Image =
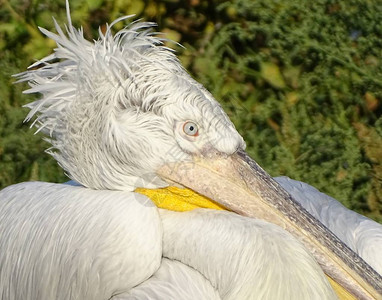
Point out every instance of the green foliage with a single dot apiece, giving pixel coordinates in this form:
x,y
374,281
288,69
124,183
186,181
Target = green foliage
x,y
306,77
301,80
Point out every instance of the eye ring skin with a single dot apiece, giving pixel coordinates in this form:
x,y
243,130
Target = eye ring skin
x,y
191,129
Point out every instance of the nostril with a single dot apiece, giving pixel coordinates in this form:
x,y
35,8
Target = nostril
x,y
239,149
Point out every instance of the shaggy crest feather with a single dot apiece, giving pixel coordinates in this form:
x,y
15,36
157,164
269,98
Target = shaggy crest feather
x,y
111,107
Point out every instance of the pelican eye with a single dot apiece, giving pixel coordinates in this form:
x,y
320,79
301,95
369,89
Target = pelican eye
x,y
190,128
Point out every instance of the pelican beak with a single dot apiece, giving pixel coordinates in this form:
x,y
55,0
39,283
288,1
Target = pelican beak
x,y
238,183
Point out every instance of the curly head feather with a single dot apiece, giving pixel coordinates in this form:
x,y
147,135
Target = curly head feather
x,y
111,107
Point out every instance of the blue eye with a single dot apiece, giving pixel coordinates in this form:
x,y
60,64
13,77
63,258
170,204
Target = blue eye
x,y
190,128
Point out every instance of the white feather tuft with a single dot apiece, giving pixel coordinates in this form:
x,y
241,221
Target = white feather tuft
x,y
110,106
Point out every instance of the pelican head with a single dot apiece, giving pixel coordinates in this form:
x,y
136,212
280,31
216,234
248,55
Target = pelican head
x,y
118,109
122,113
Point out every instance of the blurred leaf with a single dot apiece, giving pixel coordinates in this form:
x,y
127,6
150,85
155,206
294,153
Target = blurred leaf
x,y
8,28
136,7
291,75
271,73
372,145
371,141
292,98
372,102
39,47
171,35
94,4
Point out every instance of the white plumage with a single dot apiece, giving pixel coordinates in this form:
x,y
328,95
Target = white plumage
x,y
63,242
243,258
70,242
115,111
173,280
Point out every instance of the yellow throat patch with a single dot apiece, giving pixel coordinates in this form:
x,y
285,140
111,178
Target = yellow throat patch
x,y
179,199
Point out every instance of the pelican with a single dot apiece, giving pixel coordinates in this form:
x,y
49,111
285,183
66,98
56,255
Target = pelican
x,y
164,203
